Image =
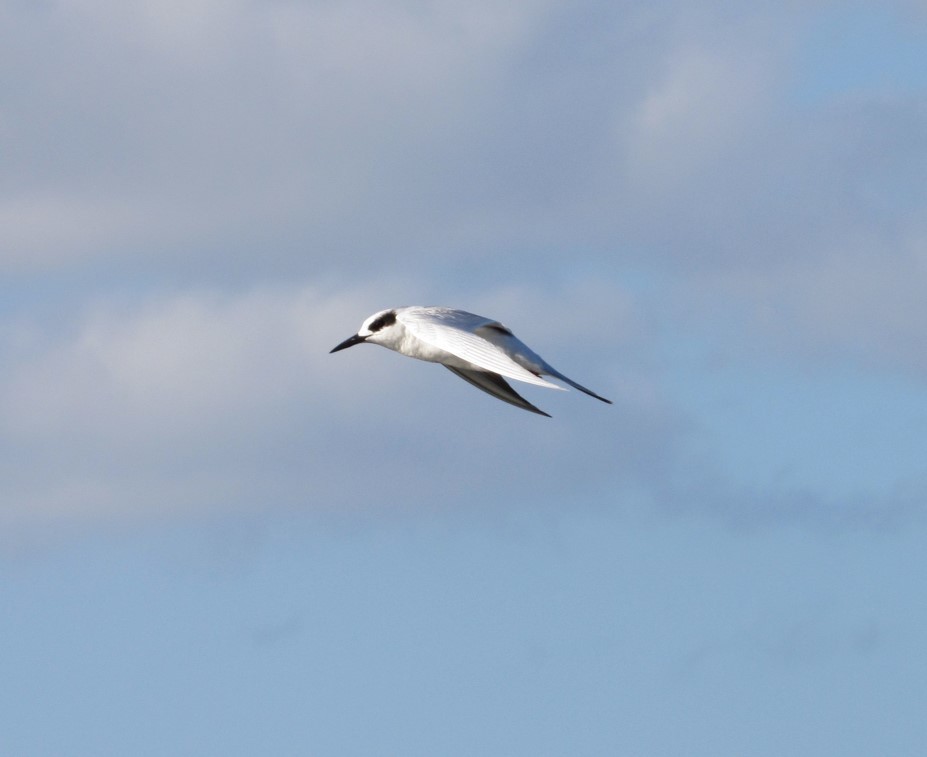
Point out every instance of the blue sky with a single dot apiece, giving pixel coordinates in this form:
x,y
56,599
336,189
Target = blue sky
x,y
216,538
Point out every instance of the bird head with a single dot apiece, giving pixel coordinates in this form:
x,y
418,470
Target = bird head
x,y
372,330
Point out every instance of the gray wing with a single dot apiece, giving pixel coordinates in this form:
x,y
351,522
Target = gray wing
x,y
455,331
494,384
485,343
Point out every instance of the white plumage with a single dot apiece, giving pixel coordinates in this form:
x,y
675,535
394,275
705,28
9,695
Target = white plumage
x,y
479,350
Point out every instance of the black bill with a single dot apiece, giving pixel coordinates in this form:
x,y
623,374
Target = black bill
x,y
349,342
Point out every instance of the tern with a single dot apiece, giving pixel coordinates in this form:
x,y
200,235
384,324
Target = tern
x,y
479,350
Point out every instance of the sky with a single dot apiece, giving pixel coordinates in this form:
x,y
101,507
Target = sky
x,y
218,539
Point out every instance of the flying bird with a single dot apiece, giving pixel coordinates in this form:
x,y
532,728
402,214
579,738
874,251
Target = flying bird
x,y
479,350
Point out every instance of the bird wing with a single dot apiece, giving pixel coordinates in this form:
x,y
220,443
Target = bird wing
x,y
557,374
454,332
494,384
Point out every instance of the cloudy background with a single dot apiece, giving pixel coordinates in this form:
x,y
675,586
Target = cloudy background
x,y
215,538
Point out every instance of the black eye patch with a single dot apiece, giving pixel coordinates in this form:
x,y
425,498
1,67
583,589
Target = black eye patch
x,y
387,319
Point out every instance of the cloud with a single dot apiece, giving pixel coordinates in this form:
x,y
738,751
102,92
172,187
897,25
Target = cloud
x,y
56,231
141,402
352,127
860,304
267,138
613,180
831,273
217,123
706,100
200,400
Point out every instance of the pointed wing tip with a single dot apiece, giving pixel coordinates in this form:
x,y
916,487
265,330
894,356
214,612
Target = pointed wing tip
x,y
584,390
493,384
533,409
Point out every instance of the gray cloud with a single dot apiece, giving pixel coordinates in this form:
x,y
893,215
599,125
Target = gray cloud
x,y
643,174
279,135
361,128
202,400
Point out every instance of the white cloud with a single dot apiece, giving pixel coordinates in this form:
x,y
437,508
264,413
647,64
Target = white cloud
x,y
153,407
183,367
203,400
518,150
340,136
210,120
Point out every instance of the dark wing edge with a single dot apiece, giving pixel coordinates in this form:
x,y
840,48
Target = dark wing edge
x,y
498,387
559,375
